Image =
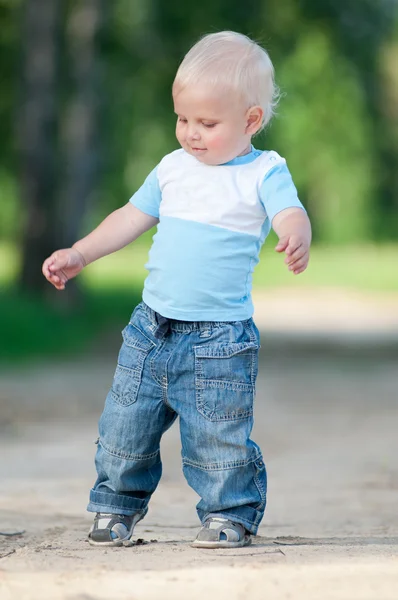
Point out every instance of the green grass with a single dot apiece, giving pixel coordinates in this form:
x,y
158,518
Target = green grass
x,y
361,268
367,267
31,329
112,287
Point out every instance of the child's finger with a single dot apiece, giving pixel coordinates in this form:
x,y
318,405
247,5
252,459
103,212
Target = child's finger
x,y
54,278
300,270
63,277
58,261
293,247
53,273
297,254
46,267
60,278
297,264
58,283
301,258
282,244
49,276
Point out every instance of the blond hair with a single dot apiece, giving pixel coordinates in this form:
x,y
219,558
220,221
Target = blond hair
x,y
235,62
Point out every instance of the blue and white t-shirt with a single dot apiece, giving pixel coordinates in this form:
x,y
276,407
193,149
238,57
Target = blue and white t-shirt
x,y
213,221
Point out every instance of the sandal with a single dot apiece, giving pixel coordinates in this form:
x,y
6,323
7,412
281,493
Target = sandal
x,y
222,533
112,530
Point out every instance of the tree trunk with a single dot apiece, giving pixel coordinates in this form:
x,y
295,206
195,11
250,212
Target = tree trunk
x,y
36,134
59,153
80,127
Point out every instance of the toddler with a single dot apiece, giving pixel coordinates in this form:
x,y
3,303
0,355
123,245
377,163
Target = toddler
x,y
191,347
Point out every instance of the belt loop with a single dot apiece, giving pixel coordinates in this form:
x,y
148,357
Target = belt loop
x,y
163,327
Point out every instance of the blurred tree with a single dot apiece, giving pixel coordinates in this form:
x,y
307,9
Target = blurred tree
x,y
365,34
58,134
37,129
81,140
83,91
9,201
327,58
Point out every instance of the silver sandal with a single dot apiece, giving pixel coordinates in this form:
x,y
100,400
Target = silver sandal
x,y
112,530
221,533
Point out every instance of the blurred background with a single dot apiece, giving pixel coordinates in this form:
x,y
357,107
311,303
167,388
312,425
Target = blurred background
x,y
86,113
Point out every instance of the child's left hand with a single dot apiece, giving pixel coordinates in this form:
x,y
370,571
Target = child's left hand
x,y
297,252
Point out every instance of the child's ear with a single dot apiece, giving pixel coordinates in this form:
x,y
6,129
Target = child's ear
x,y
254,119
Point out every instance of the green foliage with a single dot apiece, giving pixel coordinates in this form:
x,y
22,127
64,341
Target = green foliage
x,y
9,56
323,131
336,63
327,57
362,268
30,328
111,288
337,125
9,205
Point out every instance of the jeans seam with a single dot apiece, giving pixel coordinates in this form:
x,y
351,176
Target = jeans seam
x,y
236,386
261,504
249,331
142,511
126,455
229,417
223,466
165,388
161,383
262,491
145,349
240,416
135,376
248,325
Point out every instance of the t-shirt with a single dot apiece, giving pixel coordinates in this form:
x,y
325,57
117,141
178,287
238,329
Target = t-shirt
x,y
213,221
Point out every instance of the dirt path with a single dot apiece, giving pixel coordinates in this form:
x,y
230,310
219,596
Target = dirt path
x,y
327,424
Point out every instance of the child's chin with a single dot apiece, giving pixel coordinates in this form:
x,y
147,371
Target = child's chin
x,y
207,160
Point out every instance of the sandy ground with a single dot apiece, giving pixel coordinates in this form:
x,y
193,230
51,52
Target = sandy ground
x,y
326,419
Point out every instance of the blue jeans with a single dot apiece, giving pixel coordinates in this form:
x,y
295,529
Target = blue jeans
x,y
205,373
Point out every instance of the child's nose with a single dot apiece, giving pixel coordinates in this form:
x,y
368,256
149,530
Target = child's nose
x,y
193,133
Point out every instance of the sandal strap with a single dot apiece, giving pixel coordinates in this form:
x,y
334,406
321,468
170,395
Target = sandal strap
x,y
117,524
214,526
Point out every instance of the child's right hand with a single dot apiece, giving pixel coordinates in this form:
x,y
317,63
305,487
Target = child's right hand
x,y
63,265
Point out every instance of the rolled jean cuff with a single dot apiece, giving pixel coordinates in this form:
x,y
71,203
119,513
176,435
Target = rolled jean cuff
x,y
116,504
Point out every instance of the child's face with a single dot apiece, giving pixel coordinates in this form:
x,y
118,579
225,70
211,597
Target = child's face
x,y
212,126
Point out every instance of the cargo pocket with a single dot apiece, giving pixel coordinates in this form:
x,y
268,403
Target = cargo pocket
x,y
225,380
127,379
260,480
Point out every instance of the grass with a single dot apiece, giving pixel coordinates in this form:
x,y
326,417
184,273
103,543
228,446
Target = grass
x,y
112,287
363,268
366,268
31,329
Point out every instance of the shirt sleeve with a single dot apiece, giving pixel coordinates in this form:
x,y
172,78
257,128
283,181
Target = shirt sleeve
x,y
147,198
278,191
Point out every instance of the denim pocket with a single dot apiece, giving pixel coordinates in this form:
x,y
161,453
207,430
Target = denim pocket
x,y
127,380
225,380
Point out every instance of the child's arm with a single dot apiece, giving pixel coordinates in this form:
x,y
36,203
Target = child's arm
x,y
116,231
293,228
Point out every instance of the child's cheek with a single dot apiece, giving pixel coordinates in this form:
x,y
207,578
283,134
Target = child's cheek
x,y
217,141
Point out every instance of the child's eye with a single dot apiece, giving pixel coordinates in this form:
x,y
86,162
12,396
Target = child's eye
x,y
182,120
209,125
